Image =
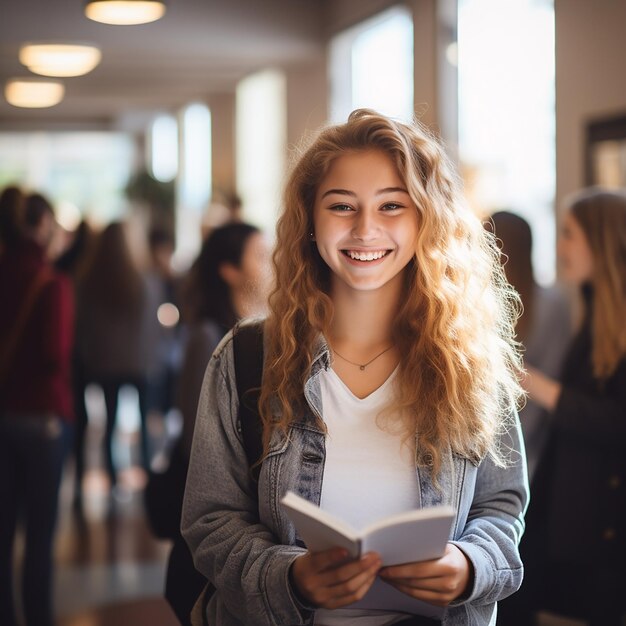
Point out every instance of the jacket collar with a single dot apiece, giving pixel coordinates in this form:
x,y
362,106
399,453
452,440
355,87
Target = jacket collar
x,y
322,358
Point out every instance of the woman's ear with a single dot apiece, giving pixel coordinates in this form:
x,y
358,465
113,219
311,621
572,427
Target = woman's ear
x,y
230,274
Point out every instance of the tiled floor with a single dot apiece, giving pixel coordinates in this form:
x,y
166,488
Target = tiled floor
x,y
108,563
109,567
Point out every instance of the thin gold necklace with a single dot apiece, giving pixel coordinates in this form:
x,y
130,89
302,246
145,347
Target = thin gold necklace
x,y
362,366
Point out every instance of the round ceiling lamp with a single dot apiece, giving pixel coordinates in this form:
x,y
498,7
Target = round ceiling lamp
x,y
124,12
58,59
32,93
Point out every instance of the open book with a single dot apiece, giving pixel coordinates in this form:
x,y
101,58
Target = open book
x,y
417,535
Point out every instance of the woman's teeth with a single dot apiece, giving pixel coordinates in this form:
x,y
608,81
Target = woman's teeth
x,y
366,256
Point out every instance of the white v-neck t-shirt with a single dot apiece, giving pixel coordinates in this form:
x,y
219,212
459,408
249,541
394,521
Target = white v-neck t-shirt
x,y
369,473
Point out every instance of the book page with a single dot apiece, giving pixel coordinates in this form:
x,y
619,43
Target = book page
x,y
416,536
384,597
411,540
320,530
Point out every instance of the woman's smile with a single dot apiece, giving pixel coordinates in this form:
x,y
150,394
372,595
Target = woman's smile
x,y
366,257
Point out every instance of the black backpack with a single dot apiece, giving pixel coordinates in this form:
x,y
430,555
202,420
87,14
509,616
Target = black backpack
x,y
184,584
248,351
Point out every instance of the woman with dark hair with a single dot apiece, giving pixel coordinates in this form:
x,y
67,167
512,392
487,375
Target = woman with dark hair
x,y
543,328
111,330
228,281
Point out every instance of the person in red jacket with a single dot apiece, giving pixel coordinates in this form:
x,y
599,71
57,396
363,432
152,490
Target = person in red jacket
x,y
36,322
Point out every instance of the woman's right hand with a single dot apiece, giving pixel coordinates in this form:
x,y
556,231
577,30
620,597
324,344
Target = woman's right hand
x,y
541,388
324,579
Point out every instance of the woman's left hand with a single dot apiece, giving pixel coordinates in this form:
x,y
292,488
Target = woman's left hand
x,y
439,581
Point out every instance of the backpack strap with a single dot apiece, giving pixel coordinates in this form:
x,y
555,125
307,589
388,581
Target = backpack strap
x,y
248,351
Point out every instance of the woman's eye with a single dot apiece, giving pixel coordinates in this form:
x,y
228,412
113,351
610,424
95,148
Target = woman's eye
x,y
341,207
391,206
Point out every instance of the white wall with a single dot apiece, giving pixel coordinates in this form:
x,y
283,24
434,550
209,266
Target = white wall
x,y
307,102
590,79
223,139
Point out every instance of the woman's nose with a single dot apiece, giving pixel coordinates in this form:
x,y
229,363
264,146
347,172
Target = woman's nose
x,y
365,226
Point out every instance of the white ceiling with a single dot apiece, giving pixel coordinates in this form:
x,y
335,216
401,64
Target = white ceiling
x,y
200,47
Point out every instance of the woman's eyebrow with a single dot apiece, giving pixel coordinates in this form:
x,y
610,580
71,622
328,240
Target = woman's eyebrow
x,y
343,192
380,192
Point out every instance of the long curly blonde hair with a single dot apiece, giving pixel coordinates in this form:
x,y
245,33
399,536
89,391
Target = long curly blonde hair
x,y
602,215
457,378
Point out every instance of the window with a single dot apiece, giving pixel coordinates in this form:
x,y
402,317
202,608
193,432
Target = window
x,y
163,148
194,181
371,65
261,146
195,176
507,114
82,173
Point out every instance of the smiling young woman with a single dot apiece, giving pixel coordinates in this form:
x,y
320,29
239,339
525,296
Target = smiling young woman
x,y
389,384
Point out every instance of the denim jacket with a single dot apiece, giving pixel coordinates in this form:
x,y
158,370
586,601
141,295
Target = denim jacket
x,y
245,547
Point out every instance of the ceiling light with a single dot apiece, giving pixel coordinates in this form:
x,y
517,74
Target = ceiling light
x,y
56,59
124,11
32,93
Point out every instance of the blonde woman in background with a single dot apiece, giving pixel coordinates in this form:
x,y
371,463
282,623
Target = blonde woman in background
x,y
576,543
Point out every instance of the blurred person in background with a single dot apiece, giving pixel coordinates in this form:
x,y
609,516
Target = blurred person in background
x,y
11,213
164,328
73,262
544,327
574,549
111,332
225,207
228,281
36,409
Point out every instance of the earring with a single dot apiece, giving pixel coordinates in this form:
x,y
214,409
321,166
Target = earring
x,y
312,236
